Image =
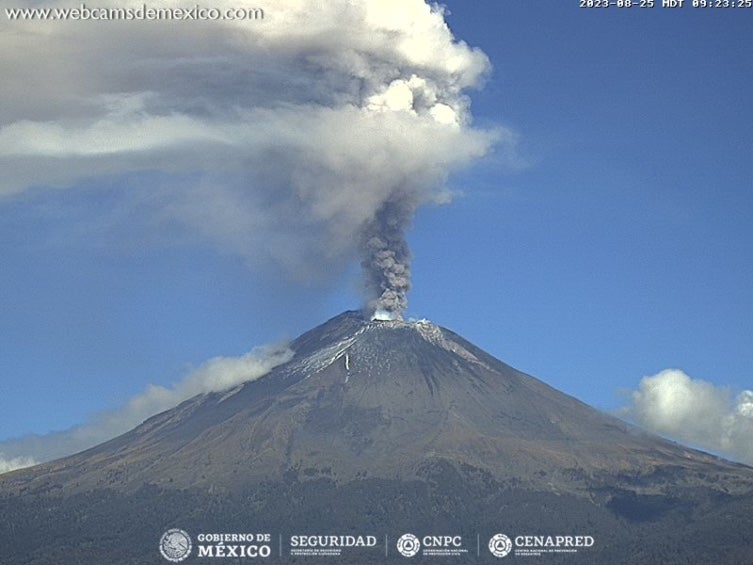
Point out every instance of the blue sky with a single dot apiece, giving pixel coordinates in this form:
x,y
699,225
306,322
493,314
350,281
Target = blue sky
x,y
611,242
625,245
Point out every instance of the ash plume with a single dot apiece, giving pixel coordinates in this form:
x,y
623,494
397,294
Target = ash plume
x,y
301,141
386,261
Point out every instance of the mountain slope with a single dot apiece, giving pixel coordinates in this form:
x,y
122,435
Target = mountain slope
x,y
371,420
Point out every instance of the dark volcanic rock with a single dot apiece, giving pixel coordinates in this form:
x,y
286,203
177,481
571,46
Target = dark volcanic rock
x,y
384,428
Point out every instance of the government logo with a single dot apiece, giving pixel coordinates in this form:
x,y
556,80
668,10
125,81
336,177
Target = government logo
x,y
408,545
175,545
500,545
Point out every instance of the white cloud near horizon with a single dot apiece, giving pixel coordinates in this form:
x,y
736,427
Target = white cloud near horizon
x,y
696,412
217,374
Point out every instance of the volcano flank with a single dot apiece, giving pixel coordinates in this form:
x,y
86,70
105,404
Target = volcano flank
x,y
382,428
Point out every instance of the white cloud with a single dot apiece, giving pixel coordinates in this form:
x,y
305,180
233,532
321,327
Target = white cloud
x,y
697,412
218,374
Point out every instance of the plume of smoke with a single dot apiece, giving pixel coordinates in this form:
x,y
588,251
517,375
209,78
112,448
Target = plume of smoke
x,y
694,411
218,374
302,140
386,260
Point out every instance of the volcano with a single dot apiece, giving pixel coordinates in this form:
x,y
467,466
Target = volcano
x,y
381,428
